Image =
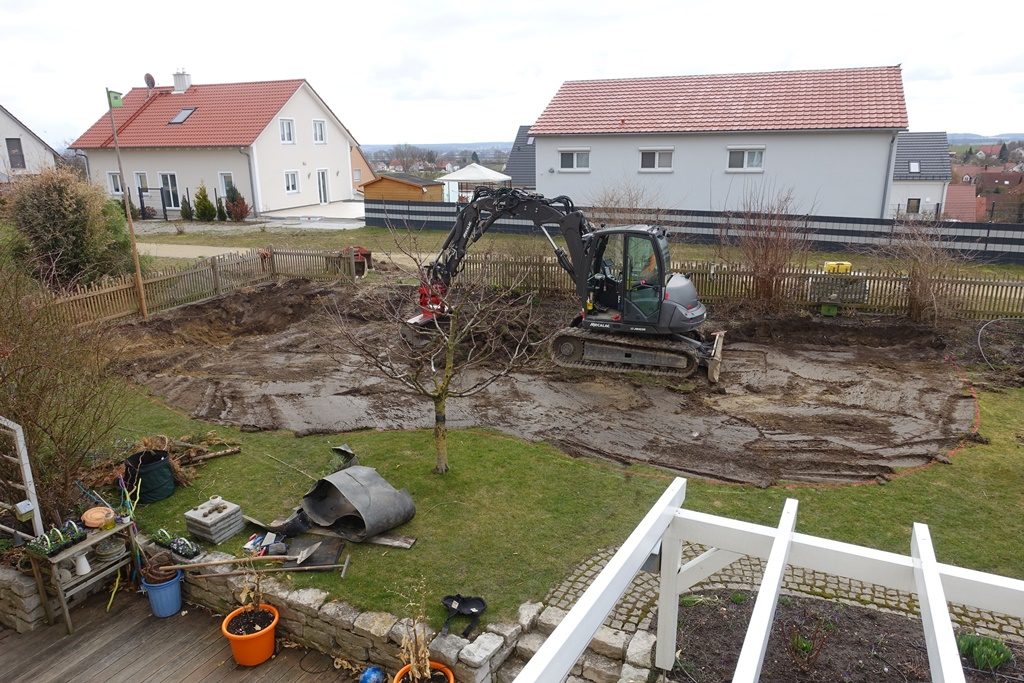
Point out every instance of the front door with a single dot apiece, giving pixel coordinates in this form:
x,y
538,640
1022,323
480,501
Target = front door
x,y
641,281
321,183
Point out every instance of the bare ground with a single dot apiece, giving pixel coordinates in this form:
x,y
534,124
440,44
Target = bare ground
x,y
801,399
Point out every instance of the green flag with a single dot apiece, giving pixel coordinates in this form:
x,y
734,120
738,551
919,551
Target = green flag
x,y
115,99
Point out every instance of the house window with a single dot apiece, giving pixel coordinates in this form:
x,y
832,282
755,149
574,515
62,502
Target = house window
x,y
357,175
319,132
114,180
169,188
574,159
182,115
226,180
142,181
288,131
653,160
914,205
15,153
749,159
291,181
915,166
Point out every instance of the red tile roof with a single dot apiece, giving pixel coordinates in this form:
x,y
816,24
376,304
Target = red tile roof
x,y
226,114
870,97
960,203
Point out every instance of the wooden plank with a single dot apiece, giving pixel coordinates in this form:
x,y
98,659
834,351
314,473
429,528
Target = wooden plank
x,y
748,668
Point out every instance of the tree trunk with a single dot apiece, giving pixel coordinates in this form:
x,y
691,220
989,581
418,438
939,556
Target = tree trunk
x,y
440,436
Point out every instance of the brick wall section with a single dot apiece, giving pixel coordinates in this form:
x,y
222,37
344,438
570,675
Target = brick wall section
x,y
20,606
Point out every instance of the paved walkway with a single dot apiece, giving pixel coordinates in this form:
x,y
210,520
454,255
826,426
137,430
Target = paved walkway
x,y
634,610
128,644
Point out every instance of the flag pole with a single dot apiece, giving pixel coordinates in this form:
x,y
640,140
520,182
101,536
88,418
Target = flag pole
x,y
126,196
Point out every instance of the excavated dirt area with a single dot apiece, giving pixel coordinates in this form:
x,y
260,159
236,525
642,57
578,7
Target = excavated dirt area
x,y
801,399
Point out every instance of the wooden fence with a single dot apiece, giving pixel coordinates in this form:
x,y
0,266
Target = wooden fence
x,y
117,297
969,296
880,292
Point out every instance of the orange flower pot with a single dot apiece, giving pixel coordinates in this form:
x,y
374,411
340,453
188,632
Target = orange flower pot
x,y
255,648
434,666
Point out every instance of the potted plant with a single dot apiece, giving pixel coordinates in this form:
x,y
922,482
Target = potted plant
x,y
56,539
250,629
419,668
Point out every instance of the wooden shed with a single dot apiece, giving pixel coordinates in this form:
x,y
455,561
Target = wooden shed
x,y
403,186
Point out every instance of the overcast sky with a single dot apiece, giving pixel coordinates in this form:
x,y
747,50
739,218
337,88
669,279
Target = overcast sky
x,y
444,71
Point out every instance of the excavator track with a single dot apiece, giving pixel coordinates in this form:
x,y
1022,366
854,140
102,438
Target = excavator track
x,y
573,347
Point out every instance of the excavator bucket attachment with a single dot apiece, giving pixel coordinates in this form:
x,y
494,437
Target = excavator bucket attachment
x,y
715,362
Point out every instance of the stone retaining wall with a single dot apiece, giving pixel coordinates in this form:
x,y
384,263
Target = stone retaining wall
x,y
20,606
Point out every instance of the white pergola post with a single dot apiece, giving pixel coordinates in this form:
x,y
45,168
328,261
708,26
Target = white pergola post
x,y
748,668
675,581
559,653
943,656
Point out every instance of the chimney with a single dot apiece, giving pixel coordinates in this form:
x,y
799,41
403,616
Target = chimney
x,y
182,81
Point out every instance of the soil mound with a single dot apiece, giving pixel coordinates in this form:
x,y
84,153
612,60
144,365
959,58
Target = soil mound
x,y
801,399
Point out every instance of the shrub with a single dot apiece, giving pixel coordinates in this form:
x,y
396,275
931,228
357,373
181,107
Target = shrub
x,y
69,233
186,209
56,381
237,207
222,215
205,210
984,653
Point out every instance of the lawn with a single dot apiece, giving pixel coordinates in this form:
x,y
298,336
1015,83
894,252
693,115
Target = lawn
x,y
382,240
512,518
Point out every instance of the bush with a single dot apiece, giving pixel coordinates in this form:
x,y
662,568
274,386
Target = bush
x,y
56,381
205,210
222,215
237,208
186,209
69,233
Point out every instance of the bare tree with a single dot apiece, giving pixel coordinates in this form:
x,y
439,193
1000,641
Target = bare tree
x,y
769,239
625,203
406,155
480,332
56,381
915,250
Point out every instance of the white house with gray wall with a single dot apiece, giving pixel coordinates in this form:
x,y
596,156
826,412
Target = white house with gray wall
x,y
22,152
712,142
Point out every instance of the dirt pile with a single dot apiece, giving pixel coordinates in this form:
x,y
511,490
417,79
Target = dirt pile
x,y
801,399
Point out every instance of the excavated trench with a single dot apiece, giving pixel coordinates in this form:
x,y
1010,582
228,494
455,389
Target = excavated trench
x,y
801,399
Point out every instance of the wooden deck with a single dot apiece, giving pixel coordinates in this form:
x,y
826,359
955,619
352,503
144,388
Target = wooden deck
x,y
128,644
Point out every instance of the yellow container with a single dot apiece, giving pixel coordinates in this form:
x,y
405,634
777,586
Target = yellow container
x,y
838,267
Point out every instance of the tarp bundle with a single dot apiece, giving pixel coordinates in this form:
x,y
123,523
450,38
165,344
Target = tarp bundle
x,y
358,503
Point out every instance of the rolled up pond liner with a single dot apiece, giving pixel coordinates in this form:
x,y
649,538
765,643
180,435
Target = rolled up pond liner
x,y
357,503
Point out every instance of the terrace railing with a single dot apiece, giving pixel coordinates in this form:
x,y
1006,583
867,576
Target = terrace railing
x,y
668,527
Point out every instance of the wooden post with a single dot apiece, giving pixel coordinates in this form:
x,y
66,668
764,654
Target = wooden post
x,y
273,261
214,269
140,290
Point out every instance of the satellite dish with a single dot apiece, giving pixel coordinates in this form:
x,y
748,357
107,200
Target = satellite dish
x,y
150,81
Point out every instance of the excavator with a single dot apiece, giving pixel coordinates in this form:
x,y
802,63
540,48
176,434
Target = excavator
x,y
635,316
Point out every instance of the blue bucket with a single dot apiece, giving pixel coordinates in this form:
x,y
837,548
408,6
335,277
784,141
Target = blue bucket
x,y
165,598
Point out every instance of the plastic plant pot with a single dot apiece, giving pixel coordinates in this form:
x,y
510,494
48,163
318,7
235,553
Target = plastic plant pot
x,y
400,677
254,648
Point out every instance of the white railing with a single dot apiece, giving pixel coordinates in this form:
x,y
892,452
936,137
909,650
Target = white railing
x,y
728,540
24,471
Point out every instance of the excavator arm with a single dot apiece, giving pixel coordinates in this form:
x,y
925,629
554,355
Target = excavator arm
x,y
489,206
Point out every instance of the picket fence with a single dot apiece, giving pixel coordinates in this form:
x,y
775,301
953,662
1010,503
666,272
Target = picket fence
x,y
877,292
115,298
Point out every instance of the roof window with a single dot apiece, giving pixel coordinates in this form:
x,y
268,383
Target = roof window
x,y
915,166
182,115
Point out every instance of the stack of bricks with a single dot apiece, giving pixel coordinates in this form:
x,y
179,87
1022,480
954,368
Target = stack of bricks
x,y
20,606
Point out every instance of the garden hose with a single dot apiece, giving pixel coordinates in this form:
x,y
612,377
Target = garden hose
x,y
982,329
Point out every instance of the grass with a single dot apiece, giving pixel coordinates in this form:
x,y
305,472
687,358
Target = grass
x,y
381,240
511,518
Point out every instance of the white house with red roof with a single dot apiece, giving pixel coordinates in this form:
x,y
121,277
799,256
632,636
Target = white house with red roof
x,y
709,142
277,142
22,151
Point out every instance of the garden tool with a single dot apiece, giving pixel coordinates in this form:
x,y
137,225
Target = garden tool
x,y
299,559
